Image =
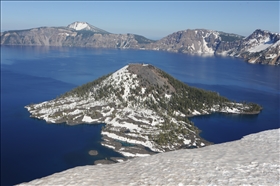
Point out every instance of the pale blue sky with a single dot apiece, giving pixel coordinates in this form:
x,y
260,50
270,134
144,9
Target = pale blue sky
x,y
153,20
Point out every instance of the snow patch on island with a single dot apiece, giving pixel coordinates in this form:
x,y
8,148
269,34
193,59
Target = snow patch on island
x,y
88,119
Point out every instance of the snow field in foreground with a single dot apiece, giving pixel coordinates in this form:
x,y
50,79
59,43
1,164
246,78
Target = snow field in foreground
x,y
253,160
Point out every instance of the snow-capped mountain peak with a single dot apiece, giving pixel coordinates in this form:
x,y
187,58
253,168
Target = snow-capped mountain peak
x,y
79,26
85,26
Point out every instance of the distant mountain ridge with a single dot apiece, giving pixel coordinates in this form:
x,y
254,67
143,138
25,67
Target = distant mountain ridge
x,y
78,34
259,47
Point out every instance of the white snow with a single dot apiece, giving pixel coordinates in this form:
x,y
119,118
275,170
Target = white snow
x,y
230,110
77,111
271,56
109,146
49,120
253,160
276,44
128,154
108,113
143,90
193,46
167,96
204,48
186,142
260,45
121,138
116,74
216,34
195,112
79,25
87,119
127,125
178,113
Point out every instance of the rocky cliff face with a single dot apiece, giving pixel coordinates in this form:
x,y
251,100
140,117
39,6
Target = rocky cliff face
x,y
123,41
260,47
38,36
198,41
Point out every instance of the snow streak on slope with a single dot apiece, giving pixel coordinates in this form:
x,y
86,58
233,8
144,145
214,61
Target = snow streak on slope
x,y
253,160
259,45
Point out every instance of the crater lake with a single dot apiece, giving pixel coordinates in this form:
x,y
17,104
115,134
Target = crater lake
x,y
32,148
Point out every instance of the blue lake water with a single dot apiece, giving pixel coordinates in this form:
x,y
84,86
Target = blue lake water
x,y
32,148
